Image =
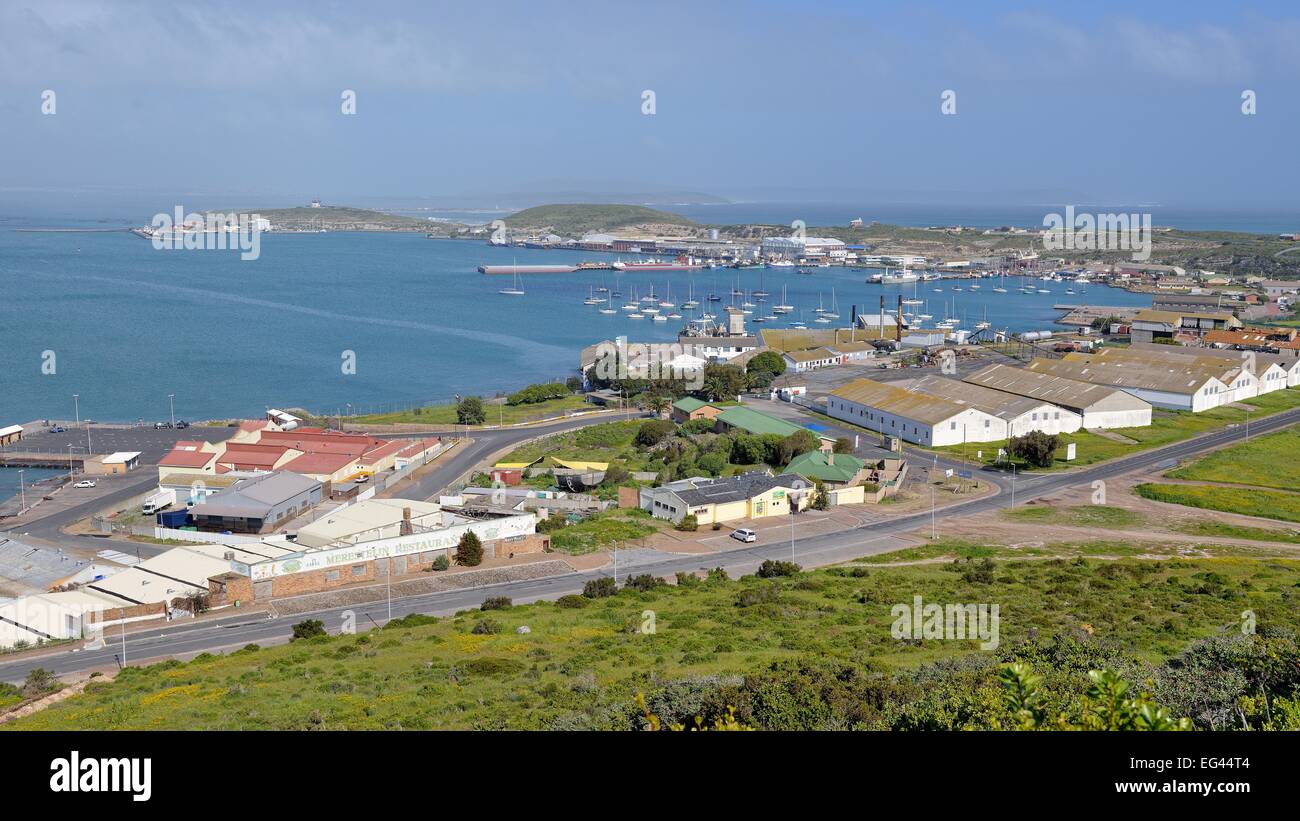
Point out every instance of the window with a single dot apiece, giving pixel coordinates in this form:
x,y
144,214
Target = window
x,y
952,426
331,575
358,570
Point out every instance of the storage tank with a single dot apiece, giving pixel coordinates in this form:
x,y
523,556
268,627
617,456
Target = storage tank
x,y
1035,336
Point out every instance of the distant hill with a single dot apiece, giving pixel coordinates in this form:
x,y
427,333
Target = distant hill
x,y
578,219
342,218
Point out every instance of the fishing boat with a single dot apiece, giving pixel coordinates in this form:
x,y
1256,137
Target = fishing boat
x,y
782,263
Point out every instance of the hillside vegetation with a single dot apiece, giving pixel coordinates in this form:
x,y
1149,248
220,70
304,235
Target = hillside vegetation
x,y
811,650
340,218
577,219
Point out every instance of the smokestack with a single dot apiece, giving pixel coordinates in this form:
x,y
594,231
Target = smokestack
x,y
406,529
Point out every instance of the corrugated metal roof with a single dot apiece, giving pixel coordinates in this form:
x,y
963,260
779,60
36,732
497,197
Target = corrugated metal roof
x,y
922,407
1127,375
1068,393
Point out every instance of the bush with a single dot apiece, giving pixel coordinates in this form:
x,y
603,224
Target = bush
x,y
39,682
644,582
768,362
653,432
689,523
712,463
441,563
697,426
843,445
767,594
469,551
772,568
572,602
687,580
309,629
796,444
470,411
600,588
486,627
540,392
496,603
1036,448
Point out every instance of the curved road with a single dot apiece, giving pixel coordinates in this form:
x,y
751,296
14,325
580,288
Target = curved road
x,y
875,537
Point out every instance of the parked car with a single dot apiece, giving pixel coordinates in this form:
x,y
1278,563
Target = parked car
x,y
58,429
161,425
361,479
85,483
744,534
182,424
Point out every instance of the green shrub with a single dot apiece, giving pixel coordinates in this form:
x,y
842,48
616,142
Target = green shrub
x,y
600,588
689,523
772,568
496,603
653,432
469,551
571,601
486,627
308,629
643,582
441,563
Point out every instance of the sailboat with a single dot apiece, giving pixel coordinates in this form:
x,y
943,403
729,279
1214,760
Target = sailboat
x,y
760,293
515,290
609,306
833,313
667,301
691,302
1002,285
592,299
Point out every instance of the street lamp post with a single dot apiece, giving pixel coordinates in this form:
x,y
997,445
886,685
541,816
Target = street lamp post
x,y
1013,484
22,493
76,411
171,399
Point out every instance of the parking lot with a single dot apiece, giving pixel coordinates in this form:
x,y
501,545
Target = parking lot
x,y
152,444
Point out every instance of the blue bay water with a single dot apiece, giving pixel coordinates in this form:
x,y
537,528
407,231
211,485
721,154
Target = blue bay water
x,y
130,324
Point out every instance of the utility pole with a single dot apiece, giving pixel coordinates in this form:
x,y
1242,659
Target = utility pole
x,y
171,398
1013,484
390,588
22,492
932,531
76,411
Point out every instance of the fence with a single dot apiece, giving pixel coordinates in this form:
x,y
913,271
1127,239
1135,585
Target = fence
x,y
200,536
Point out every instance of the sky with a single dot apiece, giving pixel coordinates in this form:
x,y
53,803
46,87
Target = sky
x,y
241,103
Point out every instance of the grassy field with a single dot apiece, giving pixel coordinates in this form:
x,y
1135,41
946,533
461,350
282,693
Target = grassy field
x,y
1268,504
1166,428
1265,461
584,660
1080,516
497,414
578,218
627,526
1209,527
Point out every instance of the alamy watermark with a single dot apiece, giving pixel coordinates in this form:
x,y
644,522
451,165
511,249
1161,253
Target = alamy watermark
x,y
209,232
954,622
669,362
1098,232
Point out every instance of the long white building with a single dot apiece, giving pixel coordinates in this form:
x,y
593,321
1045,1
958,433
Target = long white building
x,y
1238,380
1274,371
1161,385
1099,406
936,412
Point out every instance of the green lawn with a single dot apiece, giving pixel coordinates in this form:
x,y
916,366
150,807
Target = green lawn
x,y
445,414
581,666
1166,428
1269,504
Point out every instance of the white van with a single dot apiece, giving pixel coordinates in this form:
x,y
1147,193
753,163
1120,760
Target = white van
x,y
744,534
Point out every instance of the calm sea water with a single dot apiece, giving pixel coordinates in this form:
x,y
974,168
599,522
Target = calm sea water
x,y
125,325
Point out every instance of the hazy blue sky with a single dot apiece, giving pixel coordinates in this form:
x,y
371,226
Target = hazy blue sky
x,y
1098,102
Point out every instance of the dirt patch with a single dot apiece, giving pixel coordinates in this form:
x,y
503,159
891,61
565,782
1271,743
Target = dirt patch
x,y
26,708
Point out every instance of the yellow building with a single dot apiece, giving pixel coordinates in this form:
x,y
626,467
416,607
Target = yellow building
x,y
748,496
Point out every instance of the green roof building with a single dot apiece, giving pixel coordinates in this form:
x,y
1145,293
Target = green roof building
x,y
835,468
752,421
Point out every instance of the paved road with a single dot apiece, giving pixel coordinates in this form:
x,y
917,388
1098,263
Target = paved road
x,y
872,537
483,444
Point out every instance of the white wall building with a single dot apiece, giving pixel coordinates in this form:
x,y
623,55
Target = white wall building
x,y
803,248
912,415
1099,406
